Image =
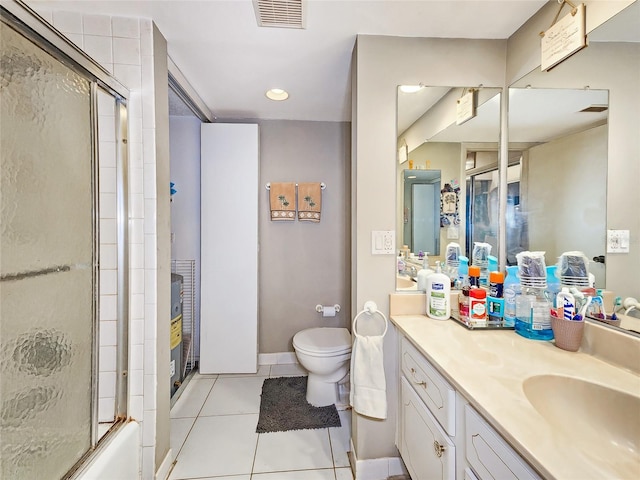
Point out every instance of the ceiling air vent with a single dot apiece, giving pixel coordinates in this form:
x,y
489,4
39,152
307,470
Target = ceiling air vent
x,y
595,109
279,13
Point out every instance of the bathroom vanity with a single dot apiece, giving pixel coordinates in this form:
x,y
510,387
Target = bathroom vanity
x,y
492,404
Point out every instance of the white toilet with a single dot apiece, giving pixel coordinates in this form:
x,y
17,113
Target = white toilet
x,y
325,352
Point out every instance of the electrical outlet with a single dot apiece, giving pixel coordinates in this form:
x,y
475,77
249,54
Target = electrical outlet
x,y
383,242
617,241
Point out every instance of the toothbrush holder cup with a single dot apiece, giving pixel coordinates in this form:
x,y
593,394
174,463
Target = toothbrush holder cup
x,y
567,333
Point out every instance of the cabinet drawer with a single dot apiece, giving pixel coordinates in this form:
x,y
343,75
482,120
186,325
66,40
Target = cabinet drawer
x,y
432,388
489,455
427,451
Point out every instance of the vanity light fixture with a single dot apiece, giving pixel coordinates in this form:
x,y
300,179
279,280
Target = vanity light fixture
x,y
277,94
411,88
411,177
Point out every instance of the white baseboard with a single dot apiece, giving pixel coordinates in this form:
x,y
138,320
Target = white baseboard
x,y
375,468
280,358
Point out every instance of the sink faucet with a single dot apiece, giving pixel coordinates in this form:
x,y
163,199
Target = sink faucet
x,y
412,271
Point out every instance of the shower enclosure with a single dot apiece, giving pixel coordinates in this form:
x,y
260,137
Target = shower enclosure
x,y
63,255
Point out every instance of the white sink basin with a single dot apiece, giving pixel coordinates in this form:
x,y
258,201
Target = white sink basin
x,y
405,283
602,422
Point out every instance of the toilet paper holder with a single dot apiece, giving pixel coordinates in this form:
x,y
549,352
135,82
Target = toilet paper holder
x,y
321,308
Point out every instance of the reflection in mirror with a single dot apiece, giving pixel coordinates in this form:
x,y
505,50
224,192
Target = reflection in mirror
x,y
421,211
433,137
568,202
561,192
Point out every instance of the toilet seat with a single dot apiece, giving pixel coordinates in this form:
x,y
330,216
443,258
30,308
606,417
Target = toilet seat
x,y
323,341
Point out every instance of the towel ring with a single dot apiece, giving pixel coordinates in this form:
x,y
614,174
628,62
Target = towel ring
x,y
370,307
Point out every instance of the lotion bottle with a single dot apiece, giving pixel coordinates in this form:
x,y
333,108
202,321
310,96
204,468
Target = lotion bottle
x,y
423,274
438,295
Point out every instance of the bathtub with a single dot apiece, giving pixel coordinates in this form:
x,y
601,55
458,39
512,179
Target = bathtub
x,y
119,458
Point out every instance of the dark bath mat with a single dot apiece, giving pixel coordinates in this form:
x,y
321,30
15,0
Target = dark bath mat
x,y
283,407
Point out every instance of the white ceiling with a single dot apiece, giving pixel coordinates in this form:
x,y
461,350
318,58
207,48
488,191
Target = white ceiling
x,y
231,62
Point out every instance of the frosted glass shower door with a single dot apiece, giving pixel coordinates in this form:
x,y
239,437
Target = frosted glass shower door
x,y
47,252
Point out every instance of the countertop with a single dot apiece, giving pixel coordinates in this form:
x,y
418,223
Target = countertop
x,y
488,368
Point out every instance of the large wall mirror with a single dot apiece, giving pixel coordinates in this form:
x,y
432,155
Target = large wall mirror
x,y
440,150
561,126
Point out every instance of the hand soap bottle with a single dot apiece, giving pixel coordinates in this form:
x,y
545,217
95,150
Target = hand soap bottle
x,y
438,295
423,274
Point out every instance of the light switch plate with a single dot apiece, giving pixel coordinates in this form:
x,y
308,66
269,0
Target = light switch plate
x,y
383,242
617,241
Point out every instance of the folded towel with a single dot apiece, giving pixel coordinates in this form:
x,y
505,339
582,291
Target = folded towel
x,y
368,395
309,202
282,198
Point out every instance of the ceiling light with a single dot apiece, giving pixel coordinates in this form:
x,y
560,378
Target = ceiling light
x,y
410,88
277,94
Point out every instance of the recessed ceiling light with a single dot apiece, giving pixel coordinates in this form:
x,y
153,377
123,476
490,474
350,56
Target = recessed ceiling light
x,y
277,94
410,88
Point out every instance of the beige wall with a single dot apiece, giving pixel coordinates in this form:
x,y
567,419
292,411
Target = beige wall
x,y
383,63
566,196
303,264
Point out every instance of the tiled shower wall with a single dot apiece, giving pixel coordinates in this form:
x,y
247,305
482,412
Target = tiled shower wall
x,y
124,46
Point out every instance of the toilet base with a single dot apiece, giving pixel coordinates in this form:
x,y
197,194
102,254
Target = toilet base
x,y
321,393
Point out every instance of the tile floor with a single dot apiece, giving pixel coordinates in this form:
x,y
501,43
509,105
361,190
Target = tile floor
x,y
213,435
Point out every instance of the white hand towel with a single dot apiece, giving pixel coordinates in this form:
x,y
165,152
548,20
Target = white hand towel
x,y
368,394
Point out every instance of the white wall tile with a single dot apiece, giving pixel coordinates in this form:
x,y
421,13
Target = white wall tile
x,y
136,282
107,384
108,282
67,22
147,74
96,25
136,256
135,129
129,75
150,363
108,333
135,104
149,430
108,312
136,361
106,129
149,111
106,104
150,391
150,186
76,38
136,335
150,252
150,324
107,359
137,306
136,382
107,178
135,154
106,409
136,204
135,406
146,37
108,256
150,210
99,48
136,230
149,145
150,287
148,463
108,206
107,154
126,51
108,230
125,27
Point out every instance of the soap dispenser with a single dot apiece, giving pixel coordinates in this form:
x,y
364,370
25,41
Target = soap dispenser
x,y
424,273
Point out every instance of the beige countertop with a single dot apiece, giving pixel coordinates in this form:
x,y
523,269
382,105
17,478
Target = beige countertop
x,y
488,368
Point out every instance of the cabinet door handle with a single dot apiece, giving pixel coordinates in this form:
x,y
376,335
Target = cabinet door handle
x,y
422,383
439,449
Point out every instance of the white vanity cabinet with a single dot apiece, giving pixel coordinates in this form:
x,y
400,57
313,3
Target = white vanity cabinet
x,y
427,405
489,455
436,424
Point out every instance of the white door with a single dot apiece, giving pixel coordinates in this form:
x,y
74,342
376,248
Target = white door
x,y
229,248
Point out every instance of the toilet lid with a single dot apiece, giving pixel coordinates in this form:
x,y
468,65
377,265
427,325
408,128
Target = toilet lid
x,y
323,340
